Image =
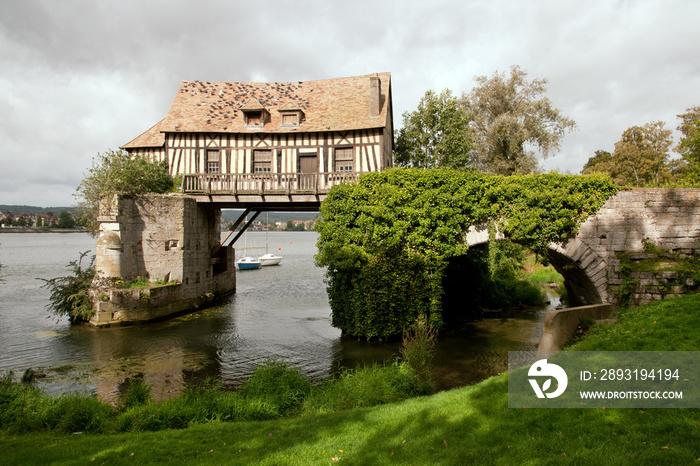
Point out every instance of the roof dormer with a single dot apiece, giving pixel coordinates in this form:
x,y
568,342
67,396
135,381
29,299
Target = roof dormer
x,y
291,115
255,114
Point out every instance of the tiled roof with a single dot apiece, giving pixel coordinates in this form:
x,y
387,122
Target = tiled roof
x,y
289,106
152,137
328,105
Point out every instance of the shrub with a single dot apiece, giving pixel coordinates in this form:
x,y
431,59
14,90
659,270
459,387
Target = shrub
x,y
363,387
546,275
118,173
138,393
507,292
200,404
24,408
277,384
418,350
69,295
78,413
171,414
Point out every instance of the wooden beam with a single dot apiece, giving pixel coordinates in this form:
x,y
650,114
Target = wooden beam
x,y
234,226
240,233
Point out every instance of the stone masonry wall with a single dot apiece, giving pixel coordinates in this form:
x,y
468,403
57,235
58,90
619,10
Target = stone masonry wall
x,y
159,237
636,245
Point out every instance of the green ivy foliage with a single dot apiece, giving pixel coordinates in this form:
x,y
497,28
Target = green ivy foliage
x,y
386,239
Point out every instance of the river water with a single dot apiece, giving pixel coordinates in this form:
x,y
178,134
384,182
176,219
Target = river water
x,y
279,312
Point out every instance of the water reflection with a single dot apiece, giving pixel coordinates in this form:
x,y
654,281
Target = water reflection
x,y
279,312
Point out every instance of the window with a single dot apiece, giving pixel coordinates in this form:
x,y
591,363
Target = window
x,y
291,115
290,119
254,118
343,160
262,161
213,161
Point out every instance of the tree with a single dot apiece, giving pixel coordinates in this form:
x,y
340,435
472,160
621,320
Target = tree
x,y
689,146
435,135
601,162
509,116
640,158
645,150
65,220
118,173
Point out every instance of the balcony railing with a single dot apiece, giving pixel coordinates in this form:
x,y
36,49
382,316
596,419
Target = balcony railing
x,y
265,183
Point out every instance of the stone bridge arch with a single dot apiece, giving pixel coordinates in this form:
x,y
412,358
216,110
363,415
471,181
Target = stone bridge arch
x,y
666,218
584,271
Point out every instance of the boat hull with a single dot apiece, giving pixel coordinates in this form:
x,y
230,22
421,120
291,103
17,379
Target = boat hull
x,y
269,259
247,264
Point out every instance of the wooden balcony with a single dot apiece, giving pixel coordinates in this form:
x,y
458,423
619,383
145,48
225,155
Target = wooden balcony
x,y
264,191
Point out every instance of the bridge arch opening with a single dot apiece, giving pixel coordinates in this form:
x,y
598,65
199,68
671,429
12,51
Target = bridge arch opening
x,y
466,276
580,288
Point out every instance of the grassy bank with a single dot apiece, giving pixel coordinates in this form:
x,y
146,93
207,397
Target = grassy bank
x,y
461,426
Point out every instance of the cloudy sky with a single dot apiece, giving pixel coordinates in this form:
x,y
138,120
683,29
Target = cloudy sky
x,y
78,77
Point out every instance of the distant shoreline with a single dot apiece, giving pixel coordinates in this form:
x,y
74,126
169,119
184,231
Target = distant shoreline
x,y
41,230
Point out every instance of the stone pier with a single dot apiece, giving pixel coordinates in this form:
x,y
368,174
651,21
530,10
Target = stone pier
x,y
168,240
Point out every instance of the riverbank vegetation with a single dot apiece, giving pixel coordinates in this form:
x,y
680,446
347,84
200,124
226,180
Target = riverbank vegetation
x,y
69,294
274,390
388,239
470,425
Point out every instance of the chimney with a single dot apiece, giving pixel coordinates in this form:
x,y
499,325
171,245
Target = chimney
x,y
374,95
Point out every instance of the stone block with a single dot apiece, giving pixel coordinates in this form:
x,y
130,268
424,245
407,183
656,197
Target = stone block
x,y
639,256
588,259
667,275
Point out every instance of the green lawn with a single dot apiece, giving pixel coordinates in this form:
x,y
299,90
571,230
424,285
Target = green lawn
x,y
462,426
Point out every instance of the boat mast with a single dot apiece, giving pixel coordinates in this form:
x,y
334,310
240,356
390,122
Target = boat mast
x,y
267,229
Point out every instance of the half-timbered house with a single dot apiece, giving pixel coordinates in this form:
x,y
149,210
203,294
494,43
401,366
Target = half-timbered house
x,y
231,137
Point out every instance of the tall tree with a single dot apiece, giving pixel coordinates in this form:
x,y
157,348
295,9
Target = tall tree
x,y
689,146
509,116
65,220
601,162
640,158
644,151
435,135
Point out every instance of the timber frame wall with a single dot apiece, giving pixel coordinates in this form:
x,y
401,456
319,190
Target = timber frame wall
x,y
187,153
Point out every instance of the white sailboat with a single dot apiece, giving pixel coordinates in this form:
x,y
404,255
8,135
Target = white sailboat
x,y
268,258
247,263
